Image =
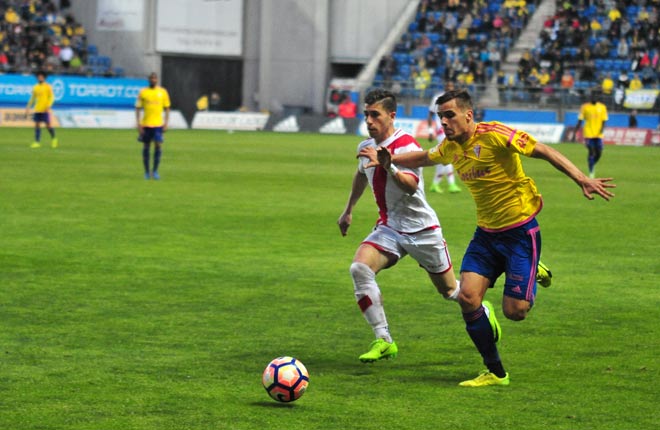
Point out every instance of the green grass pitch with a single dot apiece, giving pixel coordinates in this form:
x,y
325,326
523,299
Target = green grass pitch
x,y
133,304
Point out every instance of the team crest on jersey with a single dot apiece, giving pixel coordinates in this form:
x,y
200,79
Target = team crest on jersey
x,y
477,150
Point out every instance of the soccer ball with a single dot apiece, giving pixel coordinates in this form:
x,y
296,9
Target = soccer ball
x,y
285,379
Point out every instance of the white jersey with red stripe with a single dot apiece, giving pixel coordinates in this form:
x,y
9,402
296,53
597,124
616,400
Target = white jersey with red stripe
x,y
398,210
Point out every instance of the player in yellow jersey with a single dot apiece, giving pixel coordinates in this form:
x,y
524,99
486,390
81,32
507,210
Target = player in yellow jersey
x,y
507,240
153,100
594,116
41,100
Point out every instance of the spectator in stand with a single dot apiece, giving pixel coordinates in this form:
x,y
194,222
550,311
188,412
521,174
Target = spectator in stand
x,y
4,61
596,27
66,54
635,83
566,84
76,65
495,58
614,13
545,82
388,68
11,17
434,57
215,102
649,76
421,80
625,28
622,50
607,86
347,107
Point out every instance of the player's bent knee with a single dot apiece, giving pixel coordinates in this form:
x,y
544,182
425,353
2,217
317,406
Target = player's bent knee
x,y
361,273
516,312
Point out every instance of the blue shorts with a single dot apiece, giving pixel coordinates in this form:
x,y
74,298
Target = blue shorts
x,y
41,117
515,252
151,134
595,143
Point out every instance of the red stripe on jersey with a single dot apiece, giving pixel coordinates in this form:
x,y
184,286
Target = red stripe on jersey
x,y
486,127
380,182
399,139
403,140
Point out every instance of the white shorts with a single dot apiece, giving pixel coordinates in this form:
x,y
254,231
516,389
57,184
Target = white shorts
x,y
427,247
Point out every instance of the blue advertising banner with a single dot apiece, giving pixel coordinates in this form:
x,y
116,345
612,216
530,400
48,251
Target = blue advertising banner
x,y
73,91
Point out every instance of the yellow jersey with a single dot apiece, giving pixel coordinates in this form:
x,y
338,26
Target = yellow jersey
x,y
489,165
594,116
42,97
153,101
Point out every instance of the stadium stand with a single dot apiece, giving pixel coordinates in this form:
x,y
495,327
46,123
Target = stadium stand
x,y
597,40
608,45
37,35
463,42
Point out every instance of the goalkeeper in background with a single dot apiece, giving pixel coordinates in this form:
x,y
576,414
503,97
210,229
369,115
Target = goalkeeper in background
x,y
41,100
153,100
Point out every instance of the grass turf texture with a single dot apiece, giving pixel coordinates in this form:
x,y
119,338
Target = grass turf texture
x,y
134,304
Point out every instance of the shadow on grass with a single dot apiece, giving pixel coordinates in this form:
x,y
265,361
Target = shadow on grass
x,y
273,404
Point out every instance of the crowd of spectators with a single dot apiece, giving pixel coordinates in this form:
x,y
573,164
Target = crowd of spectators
x,y
44,35
604,45
463,42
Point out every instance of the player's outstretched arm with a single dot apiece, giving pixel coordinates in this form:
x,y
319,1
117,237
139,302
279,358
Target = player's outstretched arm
x,y
589,186
383,158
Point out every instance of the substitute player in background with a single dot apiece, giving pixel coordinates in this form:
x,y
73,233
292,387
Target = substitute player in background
x,y
153,100
42,100
407,223
435,130
594,116
507,239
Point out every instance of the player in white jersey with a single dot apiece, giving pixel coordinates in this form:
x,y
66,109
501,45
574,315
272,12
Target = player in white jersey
x,y
407,224
435,130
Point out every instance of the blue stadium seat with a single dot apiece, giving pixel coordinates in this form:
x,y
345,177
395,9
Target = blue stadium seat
x,y
400,57
419,111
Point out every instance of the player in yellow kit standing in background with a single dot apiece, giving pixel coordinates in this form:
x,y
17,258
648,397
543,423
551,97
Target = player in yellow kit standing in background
x,y
42,100
594,115
154,100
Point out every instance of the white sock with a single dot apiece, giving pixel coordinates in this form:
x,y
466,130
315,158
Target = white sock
x,y
449,172
369,299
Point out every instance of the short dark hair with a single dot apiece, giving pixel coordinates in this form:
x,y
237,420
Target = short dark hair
x,y
386,98
463,99
41,73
